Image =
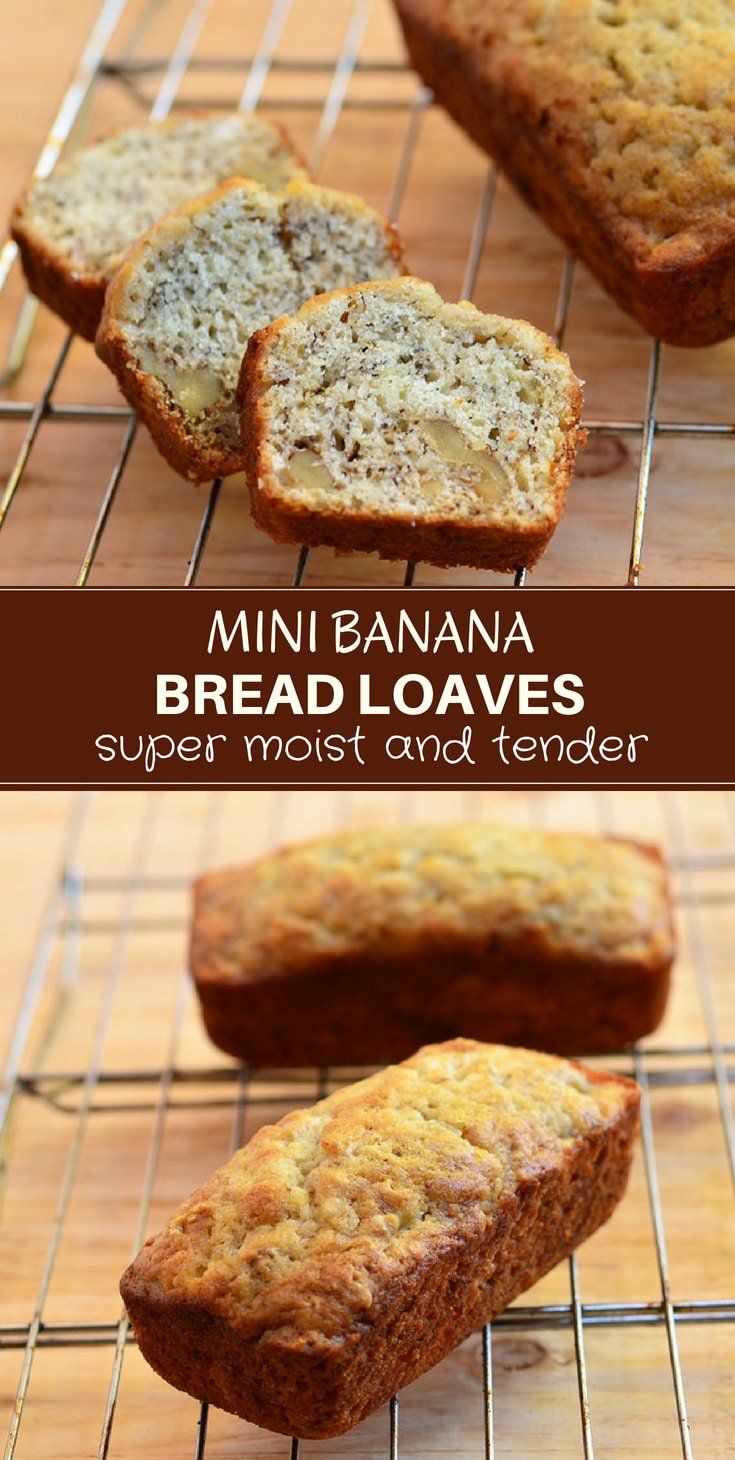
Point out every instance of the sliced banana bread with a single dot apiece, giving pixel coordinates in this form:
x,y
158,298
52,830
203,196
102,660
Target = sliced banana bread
x,y
382,419
74,227
356,948
179,313
616,120
350,1247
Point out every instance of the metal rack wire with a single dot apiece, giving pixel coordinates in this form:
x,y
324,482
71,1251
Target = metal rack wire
x,y
338,71
77,913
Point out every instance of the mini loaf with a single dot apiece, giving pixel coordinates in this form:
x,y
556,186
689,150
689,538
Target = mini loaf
x,y
74,227
382,419
351,1246
358,947
616,120
182,308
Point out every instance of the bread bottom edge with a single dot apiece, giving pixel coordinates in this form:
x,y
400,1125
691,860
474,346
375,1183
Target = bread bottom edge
x,y
568,1012
78,302
445,545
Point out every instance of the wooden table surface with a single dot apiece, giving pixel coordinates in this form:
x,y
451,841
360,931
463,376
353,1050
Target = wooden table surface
x,y
115,1001
155,517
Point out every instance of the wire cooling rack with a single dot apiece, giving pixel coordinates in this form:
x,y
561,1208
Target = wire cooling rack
x,y
114,1106
360,103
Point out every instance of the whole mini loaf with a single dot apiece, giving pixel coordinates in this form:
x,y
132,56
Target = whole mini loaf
x,y
356,948
616,120
347,1249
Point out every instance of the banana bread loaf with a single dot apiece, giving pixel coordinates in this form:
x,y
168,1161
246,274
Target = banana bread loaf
x,y
350,1247
355,948
382,419
74,227
615,119
180,311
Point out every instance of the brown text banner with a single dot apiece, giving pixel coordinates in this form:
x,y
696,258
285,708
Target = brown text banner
x,y
329,687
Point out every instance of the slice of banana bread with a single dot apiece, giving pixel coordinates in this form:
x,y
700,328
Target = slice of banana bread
x,y
350,1247
382,419
356,948
74,227
615,119
180,311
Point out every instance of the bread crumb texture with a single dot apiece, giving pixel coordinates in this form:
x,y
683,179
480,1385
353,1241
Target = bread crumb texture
x,y
635,98
308,1226
92,208
387,401
373,893
188,298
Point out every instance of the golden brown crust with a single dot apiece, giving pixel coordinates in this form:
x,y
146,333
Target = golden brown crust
x,y
442,543
151,402
78,297
432,1195
77,300
682,292
380,941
